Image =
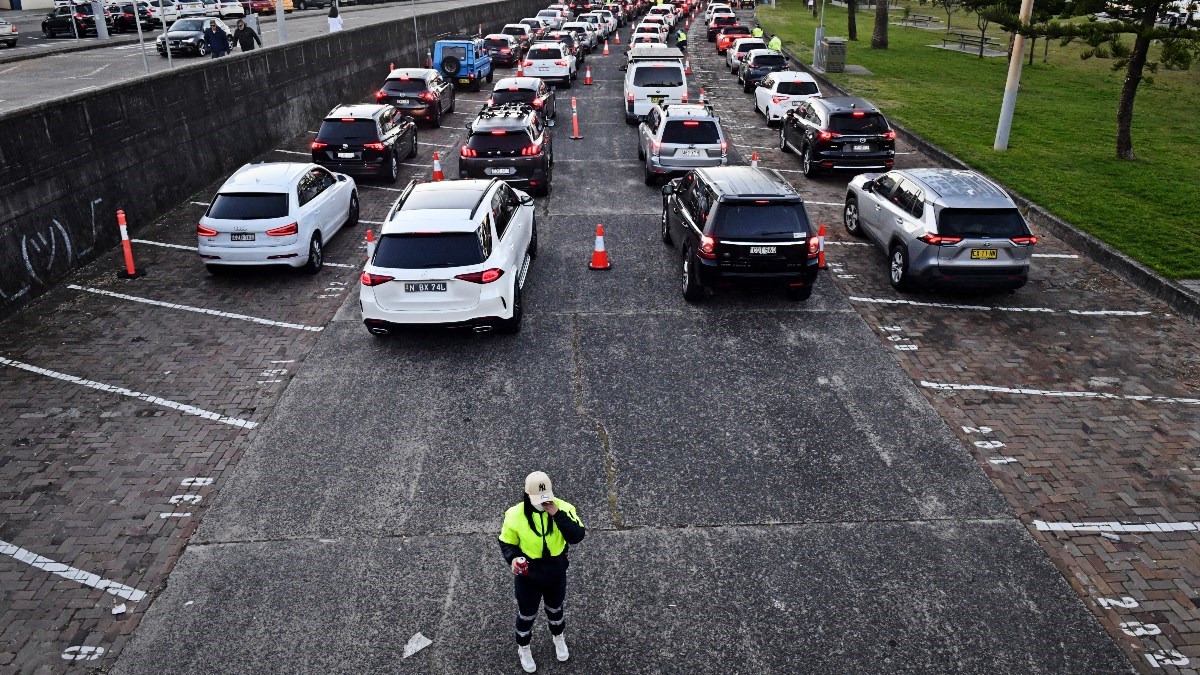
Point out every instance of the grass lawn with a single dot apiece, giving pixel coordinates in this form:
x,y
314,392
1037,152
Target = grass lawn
x,y
1062,150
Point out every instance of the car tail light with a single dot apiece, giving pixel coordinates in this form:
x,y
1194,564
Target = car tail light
x,y
374,146
826,135
80,16
814,247
655,147
527,64
490,101
684,98
369,279
205,231
468,152
560,63
1025,241
347,119
505,50
889,135
532,150
939,240
724,147
858,113
285,231
317,145
708,247
537,102
484,277
629,98
778,99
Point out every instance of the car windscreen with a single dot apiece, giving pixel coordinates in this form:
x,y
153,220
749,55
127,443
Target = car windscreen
x,y
512,140
691,132
724,19
798,88
459,53
409,86
548,13
544,54
187,24
735,30
743,48
249,206
348,131
83,9
497,42
513,30
658,76
510,96
993,223
428,251
869,123
761,221
769,61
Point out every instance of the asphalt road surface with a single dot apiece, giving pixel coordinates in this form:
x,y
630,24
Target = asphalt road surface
x,y
766,490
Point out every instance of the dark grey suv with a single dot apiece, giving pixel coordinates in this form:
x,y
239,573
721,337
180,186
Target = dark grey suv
x,y
510,142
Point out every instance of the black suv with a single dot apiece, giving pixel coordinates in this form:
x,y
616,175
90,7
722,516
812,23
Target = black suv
x,y
365,140
71,20
740,226
510,142
421,93
757,64
843,132
531,90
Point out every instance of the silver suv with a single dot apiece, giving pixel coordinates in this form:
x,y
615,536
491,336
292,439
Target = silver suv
x,y
941,227
679,137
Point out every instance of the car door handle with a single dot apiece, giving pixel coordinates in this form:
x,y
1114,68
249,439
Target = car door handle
x,y
900,222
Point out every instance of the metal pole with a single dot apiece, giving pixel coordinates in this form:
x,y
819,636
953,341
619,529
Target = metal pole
x,y
818,37
279,21
416,35
162,12
137,19
1014,81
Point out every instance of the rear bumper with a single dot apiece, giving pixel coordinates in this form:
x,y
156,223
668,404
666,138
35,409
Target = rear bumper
x,y
713,275
373,167
291,255
858,161
486,311
962,277
665,165
423,112
528,169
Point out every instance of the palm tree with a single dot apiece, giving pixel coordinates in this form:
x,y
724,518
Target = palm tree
x,y
879,36
852,19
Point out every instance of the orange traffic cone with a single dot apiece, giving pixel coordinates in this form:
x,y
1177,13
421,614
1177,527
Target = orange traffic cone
x,y
599,254
370,245
821,247
703,100
520,69
574,121
437,168
587,75
618,37
687,66
754,159
391,67
606,47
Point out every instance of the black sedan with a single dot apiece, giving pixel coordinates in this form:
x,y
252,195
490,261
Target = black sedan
x,y
187,37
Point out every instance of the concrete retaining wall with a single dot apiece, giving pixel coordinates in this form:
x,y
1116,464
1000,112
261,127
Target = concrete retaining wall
x,y
145,145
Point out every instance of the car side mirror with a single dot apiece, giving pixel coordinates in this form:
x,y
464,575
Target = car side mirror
x,y
869,186
341,178
467,125
669,188
527,200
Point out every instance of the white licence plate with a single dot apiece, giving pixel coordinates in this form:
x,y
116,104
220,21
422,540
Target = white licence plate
x,y
504,171
689,153
241,237
425,287
861,148
403,101
346,155
762,250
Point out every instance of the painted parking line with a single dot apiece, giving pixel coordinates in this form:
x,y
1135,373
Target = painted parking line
x,y
1055,255
67,572
946,386
181,247
198,310
380,187
293,152
986,308
1114,526
846,243
113,389
201,203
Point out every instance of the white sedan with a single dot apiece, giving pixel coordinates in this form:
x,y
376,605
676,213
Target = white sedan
x,y
780,92
280,213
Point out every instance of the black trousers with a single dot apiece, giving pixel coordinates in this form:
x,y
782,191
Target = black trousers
x,y
532,590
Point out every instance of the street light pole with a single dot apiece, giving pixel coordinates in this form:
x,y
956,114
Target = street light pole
x,y
416,35
1013,84
162,12
279,21
137,19
818,37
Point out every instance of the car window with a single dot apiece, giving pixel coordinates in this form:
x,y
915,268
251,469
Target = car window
x,y
508,141
884,185
501,210
544,53
704,201
513,95
993,223
658,76
798,88
858,123
761,221
908,197
459,53
347,130
249,206
691,132
324,178
742,48
306,189
769,60
406,85
429,251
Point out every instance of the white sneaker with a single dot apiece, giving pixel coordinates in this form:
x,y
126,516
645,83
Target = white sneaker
x,y
527,658
560,647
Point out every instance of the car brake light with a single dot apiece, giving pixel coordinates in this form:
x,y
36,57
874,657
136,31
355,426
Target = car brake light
x,y
484,277
684,98
1025,241
858,113
708,247
79,16
778,99
655,147
889,135
428,96
629,97
814,247
826,135
527,64
724,147
490,101
468,152
505,50
939,240
499,133
317,145
560,63
537,102
691,123
284,231
373,146
369,279
347,119
205,231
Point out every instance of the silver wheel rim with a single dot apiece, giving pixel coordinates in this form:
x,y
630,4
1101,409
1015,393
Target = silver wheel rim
x,y
686,276
897,267
314,253
664,222
851,217
807,162
782,140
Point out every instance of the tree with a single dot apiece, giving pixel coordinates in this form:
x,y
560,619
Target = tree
x,y
987,11
879,36
950,7
852,20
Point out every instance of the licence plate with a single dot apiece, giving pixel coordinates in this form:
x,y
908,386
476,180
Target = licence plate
x,y
503,171
345,155
404,101
657,99
861,148
689,153
241,237
762,250
464,80
984,254
426,287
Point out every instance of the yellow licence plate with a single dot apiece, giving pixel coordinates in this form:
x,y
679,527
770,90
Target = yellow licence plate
x,y
983,254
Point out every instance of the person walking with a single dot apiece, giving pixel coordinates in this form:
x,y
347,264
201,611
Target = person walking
x,y
245,36
534,539
335,20
757,32
217,39
775,44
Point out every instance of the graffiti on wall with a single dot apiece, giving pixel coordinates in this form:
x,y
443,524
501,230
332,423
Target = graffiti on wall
x,y
45,253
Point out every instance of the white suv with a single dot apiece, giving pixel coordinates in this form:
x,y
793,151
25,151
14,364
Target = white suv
x,y
658,79
451,253
551,62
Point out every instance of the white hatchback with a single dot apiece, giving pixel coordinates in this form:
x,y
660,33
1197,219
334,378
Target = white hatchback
x,y
451,253
551,62
780,92
278,213
663,11
553,17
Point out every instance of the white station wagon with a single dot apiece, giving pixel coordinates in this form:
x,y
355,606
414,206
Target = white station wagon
x,y
278,213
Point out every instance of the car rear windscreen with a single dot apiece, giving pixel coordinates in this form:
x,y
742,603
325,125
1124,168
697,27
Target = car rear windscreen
x,y
544,54
798,88
724,19
735,30
658,76
409,86
512,30
351,131
513,140
976,223
761,221
518,96
249,206
497,42
459,53
691,132
743,48
870,123
769,61
428,251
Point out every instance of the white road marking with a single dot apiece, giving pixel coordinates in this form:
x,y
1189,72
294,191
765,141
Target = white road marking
x,y
82,653
1002,460
438,145
174,515
986,308
380,187
287,361
201,203
294,152
412,164
846,243
349,267
198,310
1055,255
9,69
825,203
1114,526
372,222
415,644
83,89
164,244
67,572
113,389
946,386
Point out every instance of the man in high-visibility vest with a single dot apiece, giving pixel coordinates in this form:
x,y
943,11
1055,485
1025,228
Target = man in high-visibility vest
x,y
757,32
775,44
534,539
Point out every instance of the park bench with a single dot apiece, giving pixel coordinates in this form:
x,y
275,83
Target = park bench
x,y
921,19
965,40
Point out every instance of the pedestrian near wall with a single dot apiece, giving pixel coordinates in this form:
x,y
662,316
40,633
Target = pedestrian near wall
x,y
245,36
534,539
335,20
217,39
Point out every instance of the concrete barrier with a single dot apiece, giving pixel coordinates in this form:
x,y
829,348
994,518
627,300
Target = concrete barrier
x,y
145,145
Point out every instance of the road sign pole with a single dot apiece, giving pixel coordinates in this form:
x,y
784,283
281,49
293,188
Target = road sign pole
x,y
1013,84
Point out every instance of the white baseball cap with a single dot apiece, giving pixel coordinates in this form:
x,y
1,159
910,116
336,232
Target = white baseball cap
x,y
539,488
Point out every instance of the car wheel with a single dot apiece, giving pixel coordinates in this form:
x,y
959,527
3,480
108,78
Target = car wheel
x,y
567,82
453,104
202,49
215,270
641,151
692,290
806,163
352,216
513,325
651,179
850,217
533,242
800,294
665,226
490,74
47,31
393,170
747,87
316,256
412,152
898,268
436,120
783,146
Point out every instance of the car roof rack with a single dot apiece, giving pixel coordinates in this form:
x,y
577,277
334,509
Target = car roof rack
x,y
482,195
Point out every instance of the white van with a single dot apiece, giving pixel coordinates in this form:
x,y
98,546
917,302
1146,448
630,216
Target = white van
x,y
654,76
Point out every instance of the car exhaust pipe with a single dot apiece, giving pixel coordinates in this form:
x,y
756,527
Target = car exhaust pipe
x,y
482,329
376,330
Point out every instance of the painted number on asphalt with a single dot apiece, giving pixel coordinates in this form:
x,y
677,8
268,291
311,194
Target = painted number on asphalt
x,y
901,343
1166,657
332,289
196,482
1138,629
82,653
